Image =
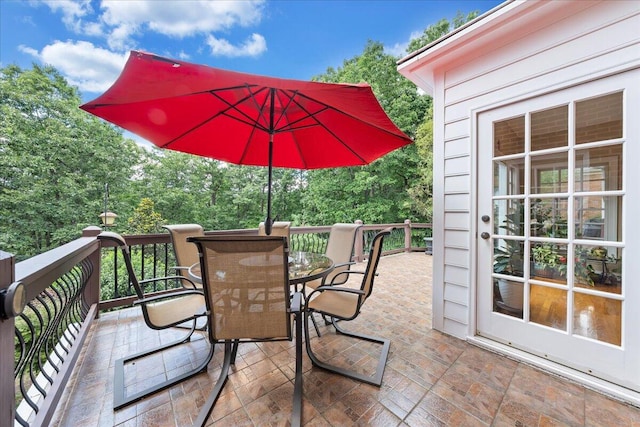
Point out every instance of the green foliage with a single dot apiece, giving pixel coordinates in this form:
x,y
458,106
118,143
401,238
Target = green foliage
x,y
421,189
145,219
54,163
439,29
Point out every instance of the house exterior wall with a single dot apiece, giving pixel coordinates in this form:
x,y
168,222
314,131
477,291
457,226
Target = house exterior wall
x,y
522,50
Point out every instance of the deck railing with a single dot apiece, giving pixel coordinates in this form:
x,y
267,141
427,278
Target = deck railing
x,y
67,287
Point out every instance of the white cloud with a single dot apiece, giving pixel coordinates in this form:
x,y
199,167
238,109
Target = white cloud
x,y
116,24
91,68
400,49
178,19
253,46
72,11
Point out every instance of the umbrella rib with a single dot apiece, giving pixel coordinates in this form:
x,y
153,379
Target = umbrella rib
x,y
319,123
249,121
356,118
234,107
285,108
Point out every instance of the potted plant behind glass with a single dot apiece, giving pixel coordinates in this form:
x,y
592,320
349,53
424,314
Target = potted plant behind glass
x,y
548,262
508,257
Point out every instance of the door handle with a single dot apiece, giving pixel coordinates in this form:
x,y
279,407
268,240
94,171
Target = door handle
x,y
485,218
485,235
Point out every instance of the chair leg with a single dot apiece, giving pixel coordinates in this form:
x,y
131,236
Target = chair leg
x,y
382,361
229,356
296,415
315,324
119,398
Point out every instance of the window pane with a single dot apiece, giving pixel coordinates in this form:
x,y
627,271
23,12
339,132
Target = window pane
x,y
598,318
508,137
549,217
508,257
599,119
508,297
549,262
549,173
599,169
508,177
598,217
598,268
548,306
549,128
508,217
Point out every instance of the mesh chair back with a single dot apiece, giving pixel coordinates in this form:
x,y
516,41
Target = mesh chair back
x,y
246,284
340,249
186,253
372,265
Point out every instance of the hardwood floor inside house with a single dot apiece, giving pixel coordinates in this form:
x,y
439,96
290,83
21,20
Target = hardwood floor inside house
x,y
595,317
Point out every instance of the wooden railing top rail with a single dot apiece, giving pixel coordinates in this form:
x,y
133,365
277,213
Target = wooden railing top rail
x,y
38,272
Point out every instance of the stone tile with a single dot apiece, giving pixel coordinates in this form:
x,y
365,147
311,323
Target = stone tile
x,y
547,395
433,410
601,410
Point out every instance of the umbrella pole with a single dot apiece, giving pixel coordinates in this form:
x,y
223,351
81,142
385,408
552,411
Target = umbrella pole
x,y
268,222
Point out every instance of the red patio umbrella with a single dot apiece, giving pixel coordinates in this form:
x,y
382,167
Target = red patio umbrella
x,y
248,119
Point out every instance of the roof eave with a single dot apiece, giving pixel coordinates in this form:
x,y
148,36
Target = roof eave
x,y
428,57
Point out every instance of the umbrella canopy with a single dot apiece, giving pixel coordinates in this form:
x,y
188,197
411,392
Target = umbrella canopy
x,y
248,119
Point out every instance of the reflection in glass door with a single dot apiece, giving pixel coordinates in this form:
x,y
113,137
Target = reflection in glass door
x,y
551,272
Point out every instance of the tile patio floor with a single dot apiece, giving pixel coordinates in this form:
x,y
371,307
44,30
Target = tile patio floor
x,y
431,379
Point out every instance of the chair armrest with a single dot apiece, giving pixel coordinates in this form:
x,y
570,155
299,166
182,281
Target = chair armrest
x,y
324,288
167,295
347,272
176,278
296,302
342,264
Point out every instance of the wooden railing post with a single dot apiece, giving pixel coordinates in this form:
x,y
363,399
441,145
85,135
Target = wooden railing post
x,y
92,289
7,334
358,248
407,235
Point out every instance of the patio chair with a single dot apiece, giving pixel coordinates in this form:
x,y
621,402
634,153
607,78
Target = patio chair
x,y
161,311
342,238
246,286
344,303
186,253
279,228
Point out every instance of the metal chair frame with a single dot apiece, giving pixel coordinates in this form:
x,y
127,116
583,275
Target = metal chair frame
x,y
362,293
121,400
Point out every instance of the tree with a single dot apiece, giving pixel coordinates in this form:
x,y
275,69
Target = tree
x,y
434,31
421,190
145,220
378,192
54,162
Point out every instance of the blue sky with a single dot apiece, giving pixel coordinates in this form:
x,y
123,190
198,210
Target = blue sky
x,y
89,41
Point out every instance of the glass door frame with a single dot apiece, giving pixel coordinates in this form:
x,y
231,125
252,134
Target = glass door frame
x,y
575,351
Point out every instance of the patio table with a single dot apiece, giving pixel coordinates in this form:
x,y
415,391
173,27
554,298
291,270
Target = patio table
x,y
303,267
